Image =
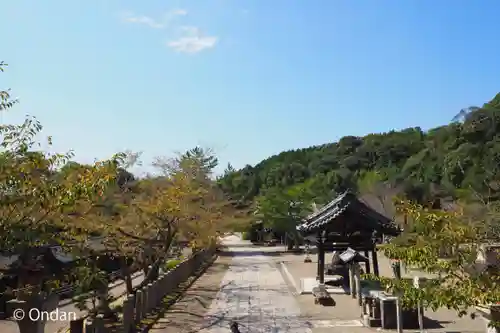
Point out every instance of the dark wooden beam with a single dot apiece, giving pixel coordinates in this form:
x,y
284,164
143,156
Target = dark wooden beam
x,y
375,262
367,266
345,246
321,263
318,245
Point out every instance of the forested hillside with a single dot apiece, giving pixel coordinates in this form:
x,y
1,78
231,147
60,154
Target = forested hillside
x,y
460,159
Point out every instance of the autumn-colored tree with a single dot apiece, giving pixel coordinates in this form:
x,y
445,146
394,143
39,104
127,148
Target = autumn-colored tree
x,y
92,224
182,202
35,204
39,208
445,244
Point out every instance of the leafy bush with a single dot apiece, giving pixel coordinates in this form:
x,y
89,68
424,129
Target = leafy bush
x,y
171,264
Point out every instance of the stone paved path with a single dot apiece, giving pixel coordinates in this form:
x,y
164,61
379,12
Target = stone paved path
x,y
254,293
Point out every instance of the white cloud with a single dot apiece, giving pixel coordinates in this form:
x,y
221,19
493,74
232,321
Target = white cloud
x,y
190,30
153,23
193,44
146,20
177,12
192,41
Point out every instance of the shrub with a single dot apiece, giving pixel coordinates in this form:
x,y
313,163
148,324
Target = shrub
x,y
171,264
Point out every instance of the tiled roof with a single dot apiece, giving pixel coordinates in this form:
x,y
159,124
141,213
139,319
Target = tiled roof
x,y
338,206
326,207
327,213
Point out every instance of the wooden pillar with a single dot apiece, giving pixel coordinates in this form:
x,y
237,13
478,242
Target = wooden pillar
x,y
321,261
352,280
396,269
375,261
367,264
357,283
318,246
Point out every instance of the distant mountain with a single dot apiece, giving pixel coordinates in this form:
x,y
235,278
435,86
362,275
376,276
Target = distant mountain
x,y
456,160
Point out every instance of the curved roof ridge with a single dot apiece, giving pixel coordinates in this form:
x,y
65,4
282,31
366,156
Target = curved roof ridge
x,y
338,206
327,206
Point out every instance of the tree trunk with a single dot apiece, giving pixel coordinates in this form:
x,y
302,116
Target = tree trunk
x,y
151,274
289,242
126,274
103,306
292,241
296,241
103,303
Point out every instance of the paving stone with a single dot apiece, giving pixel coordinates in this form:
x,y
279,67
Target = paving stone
x,y
255,294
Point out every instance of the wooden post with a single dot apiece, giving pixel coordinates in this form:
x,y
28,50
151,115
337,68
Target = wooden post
x,y
151,296
416,284
128,314
367,264
396,269
89,326
399,315
318,246
167,284
155,292
138,306
375,261
357,282
76,326
145,301
99,324
352,281
161,288
321,261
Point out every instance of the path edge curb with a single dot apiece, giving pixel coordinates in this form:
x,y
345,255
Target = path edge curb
x,y
290,278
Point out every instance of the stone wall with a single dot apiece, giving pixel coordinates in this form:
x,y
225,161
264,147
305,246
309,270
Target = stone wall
x,y
137,307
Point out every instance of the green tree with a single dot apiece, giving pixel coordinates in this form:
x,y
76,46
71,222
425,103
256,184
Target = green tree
x,y
426,166
6,102
282,210
445,244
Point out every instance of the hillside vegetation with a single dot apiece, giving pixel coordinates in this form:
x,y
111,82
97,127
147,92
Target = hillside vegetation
x,y
451,166
458,160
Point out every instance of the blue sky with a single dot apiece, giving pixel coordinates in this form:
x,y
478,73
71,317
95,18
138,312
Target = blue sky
x,y
247,78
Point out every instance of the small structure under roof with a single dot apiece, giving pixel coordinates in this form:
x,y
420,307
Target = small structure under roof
x,y
347,214
351,255
344,223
